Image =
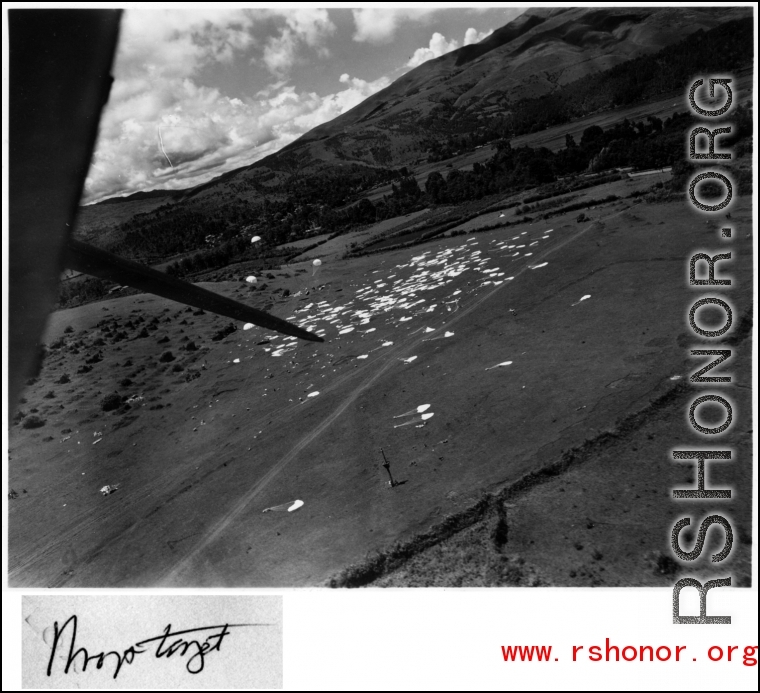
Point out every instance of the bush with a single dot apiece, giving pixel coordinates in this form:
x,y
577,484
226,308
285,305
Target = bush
x,y
111,402
64,379
224,332
33,422
191,346
166,357
68,330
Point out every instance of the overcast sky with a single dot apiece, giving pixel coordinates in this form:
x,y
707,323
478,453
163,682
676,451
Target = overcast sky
x,y
201,92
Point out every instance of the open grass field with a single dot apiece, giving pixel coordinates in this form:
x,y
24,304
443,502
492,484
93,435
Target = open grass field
x,y
526,342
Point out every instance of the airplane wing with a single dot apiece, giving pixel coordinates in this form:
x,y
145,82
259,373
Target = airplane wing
x,y
99,263
59,80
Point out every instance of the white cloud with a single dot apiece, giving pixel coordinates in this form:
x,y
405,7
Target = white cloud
x,y
157,99
378,24
176,43
472,36
204,133
280,52
310,26
437,47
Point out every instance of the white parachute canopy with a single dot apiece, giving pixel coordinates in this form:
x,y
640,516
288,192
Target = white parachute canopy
x,y
316,264
255,239
251,279
289,507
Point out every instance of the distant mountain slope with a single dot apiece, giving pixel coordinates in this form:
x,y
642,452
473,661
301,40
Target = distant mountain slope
x,y
533,55
547,67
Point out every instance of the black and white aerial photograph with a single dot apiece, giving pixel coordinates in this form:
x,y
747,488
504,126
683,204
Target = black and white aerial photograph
x,y
379,297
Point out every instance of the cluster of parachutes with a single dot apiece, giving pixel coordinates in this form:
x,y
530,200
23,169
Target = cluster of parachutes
x,y
251,279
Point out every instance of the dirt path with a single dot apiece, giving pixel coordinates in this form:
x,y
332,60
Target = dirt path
x,y
383,364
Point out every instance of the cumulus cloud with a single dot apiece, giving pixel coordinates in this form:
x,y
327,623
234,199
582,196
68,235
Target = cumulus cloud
x,y
204,133
437,47
162,128
378,24
472,36
176,43
304,26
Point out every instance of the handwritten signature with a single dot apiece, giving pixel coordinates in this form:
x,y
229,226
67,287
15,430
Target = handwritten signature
x,y
169,643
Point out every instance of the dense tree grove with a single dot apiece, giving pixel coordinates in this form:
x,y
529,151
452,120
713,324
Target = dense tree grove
x,y
221,236
647,144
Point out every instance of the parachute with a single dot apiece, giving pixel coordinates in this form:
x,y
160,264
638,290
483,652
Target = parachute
x,y
316,264
251,279
290,506
419,410
255,239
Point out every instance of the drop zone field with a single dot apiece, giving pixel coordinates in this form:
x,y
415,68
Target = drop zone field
x,y
553,355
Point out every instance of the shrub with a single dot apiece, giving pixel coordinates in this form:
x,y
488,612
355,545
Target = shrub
x,y
64,379
111,402
224,332
191,346
33,422
166,357
68,330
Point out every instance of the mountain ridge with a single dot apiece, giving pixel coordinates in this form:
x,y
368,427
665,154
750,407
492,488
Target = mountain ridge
x,y
532,56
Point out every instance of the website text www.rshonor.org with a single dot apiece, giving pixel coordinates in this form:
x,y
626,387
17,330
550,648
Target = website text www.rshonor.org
x,y
609,652
708,282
